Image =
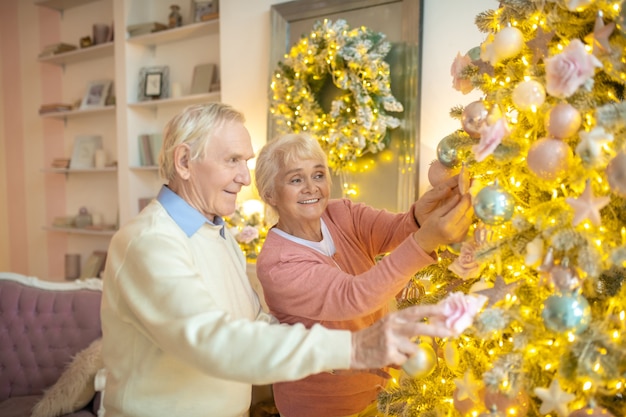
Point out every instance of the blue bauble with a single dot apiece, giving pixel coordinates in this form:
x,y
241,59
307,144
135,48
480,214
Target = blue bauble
x,y
566,313
447,153
493,205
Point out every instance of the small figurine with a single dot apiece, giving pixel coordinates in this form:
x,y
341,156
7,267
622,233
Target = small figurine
x,y
175,19
85,42
83,219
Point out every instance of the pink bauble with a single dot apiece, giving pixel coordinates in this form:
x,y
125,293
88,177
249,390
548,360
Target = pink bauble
x,y
549,159
508,42
466,406
503,402
529,94
473,117
616,174
563,121
564,278
591,412
438,173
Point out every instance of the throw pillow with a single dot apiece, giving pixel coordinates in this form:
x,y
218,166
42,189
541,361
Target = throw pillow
x,y
75,388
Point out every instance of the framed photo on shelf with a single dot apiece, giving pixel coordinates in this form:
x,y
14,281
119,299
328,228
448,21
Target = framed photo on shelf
x,y
203,10
84,151
96,94
154,83
202,79
94,265
152,88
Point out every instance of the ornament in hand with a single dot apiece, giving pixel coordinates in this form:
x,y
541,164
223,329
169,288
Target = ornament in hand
x,y
422,363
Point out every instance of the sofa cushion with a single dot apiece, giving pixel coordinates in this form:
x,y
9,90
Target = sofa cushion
x,y
18,406
22,406
42,326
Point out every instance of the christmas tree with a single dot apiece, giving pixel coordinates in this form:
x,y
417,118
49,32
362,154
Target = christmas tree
x,y
545,147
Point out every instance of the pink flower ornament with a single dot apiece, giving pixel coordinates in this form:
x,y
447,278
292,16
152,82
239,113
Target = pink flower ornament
x,y
247,234
459,83
569,70
465,265
491,135
459,310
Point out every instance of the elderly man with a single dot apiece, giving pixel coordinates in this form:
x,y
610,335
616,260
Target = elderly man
x,y
183,331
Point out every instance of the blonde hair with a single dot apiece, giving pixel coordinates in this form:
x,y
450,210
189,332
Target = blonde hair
x,y
195,126
281,152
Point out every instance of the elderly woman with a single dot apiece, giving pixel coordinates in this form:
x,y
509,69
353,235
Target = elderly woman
x,y
319,263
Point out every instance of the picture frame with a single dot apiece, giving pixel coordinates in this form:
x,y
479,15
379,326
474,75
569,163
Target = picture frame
x,y
94,265
96,94
154,83
202,79
84,151
152,87
204,10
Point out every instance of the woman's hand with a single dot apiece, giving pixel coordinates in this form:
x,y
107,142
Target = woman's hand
x,y
446,224
435,197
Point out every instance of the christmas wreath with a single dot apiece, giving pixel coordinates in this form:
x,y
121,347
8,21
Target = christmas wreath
x,y
350,61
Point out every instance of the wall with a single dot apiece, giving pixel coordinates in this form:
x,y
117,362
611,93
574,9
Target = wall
x,y
25,248
448,29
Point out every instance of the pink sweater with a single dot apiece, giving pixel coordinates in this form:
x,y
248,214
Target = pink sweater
x,y
303,286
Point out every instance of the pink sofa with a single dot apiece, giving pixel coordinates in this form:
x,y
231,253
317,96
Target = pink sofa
x,y
43,326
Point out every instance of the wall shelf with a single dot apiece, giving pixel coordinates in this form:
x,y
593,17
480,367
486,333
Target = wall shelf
x,y
176,34
82,170
78,231
144,168
84,54
62,115
61,5
190,99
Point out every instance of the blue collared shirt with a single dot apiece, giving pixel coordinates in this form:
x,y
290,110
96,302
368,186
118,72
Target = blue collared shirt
x,y
186,217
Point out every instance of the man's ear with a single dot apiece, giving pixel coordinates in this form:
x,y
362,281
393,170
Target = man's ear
x,y
182,158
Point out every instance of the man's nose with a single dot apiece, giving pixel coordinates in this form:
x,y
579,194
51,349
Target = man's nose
x,y
244,175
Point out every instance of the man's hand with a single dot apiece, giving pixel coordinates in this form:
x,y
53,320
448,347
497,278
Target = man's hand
x,y
388,341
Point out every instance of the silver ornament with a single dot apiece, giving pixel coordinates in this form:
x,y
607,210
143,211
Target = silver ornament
x,y
566,313
447,153
494,205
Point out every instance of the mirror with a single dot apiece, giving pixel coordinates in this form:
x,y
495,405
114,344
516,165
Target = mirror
x,y
388,179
